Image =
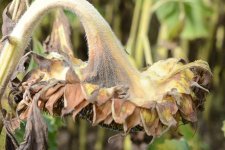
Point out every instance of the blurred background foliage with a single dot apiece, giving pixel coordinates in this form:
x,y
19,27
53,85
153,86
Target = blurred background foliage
x,y
150,30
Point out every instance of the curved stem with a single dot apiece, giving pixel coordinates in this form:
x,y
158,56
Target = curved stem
x,y
104,48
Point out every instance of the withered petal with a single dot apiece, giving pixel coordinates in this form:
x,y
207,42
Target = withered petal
x,y
150,121
166,110
187,109
108,120
53,100
78,108
121,109
51,91
73,96
100,113
133,120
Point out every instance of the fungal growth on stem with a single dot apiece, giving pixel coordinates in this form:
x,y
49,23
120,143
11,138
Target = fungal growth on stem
x,y
107,90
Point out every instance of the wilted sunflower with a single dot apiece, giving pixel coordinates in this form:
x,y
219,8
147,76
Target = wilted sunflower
x,y
167,92
107,90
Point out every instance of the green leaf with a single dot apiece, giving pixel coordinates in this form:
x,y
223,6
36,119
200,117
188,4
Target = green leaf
x,y
19,133
168,14
194,25
171,145
53,123
193,139
37,48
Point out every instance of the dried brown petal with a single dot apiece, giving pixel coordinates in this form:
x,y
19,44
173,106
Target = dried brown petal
x,y
186,108
166,111
53,99
121,109
133,120
73,96
108,120
77,109
100,113
51,91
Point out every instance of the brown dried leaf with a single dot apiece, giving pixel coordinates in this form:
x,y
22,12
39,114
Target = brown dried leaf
x,y
51,67
59,40
8,24
10,16
20,67
36,136
72,77
12,124
16,10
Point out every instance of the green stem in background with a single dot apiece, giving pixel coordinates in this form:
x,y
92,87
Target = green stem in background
x,y
143,30
127,143
204,53
134,27
100,139
147,50
82,134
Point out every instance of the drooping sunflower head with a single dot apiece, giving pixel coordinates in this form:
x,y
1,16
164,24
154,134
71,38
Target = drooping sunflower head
x,y
166,93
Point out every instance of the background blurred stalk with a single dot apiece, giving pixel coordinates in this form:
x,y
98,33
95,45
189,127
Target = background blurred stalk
x,y
127,143
82,134
142,32
134,27
100,139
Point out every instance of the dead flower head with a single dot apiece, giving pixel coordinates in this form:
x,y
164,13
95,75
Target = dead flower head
x,y
167,92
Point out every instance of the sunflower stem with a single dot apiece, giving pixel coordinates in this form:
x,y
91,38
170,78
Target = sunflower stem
x,y
97,31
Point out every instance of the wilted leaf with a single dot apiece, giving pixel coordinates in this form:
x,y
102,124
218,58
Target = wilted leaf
x,y
59,40
10,16
36,132
8,23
